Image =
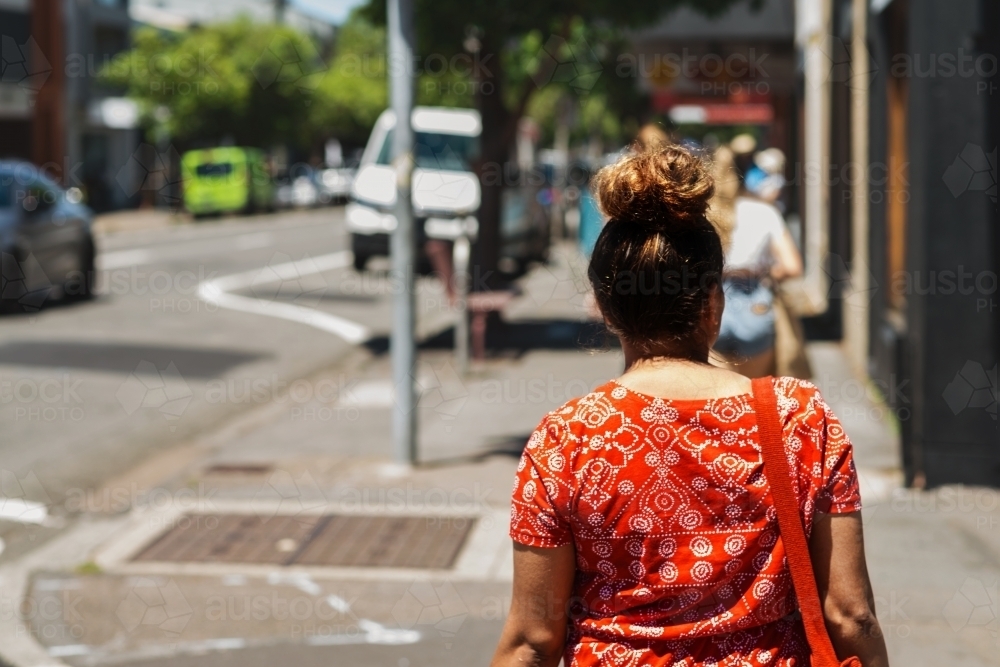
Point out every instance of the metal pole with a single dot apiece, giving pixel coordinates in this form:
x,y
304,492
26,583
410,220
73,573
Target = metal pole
x,y
403,244
460,260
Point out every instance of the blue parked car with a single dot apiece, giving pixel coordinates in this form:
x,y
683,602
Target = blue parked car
x,y
46,245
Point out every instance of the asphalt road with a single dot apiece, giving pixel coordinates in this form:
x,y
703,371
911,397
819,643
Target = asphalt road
x,y
193,324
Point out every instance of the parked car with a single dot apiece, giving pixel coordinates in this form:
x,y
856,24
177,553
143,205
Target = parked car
x,y
299,191
444,190
46,246
334,184
225,180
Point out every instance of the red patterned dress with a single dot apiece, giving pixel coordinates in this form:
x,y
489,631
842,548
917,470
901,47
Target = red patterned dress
x,y
667,505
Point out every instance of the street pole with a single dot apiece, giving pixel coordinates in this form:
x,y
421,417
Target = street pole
x,y
461,251
403,245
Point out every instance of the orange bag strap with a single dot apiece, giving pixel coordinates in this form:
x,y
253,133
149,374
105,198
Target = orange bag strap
x,y
793,535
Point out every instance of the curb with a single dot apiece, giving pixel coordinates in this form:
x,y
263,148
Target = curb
x,y
17,647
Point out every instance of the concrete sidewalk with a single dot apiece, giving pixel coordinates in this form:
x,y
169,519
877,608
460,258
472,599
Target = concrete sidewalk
x,y
323,447
933,556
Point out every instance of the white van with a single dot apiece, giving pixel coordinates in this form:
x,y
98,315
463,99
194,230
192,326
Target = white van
x,y
444,190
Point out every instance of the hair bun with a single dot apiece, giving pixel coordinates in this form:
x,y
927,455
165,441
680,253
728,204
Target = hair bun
x,y
661,187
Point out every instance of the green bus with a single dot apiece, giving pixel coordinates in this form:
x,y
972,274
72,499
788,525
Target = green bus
x,y
225,180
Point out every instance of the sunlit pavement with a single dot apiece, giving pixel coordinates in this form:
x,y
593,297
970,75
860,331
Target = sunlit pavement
x,y
232,388
89,390
321,445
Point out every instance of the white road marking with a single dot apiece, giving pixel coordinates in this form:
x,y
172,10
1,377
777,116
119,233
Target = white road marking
x,y
223,644
23,511
303,582
69,650
122,258
371,633
368,394
218,292
338,603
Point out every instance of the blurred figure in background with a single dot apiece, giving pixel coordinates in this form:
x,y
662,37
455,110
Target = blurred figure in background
x,y
760,253
650,136
743,147
766,178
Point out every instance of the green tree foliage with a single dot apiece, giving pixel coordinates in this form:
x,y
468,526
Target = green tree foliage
x,y
253,83
262,84
354,91
523,46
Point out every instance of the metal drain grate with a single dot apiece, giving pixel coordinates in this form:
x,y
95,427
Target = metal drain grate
x,y
335,540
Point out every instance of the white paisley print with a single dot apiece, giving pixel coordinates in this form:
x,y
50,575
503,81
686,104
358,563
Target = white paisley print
x,y
667,504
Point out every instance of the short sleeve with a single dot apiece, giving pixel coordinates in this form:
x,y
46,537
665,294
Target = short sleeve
x,y
774,223
540,488
839,492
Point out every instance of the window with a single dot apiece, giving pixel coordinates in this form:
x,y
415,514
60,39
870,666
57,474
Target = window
x,y
214,169
447,152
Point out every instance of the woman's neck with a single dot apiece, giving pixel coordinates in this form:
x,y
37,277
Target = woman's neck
x,y
636,359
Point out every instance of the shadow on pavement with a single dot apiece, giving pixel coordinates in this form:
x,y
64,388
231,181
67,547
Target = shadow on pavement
x,y
124,358
305,298
513,339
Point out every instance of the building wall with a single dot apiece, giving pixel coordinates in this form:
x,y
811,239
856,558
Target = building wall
x,y
950,340
886,321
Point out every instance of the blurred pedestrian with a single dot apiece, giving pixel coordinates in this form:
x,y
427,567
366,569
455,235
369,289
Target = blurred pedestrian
x,y
760,252
766,178
656,519
743,147
650,136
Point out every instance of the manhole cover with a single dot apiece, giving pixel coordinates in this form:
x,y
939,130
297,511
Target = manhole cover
x,y
335,540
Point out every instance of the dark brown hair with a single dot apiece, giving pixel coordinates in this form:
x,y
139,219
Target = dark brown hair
x,y
658,258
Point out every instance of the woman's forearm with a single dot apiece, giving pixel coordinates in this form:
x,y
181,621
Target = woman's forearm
x,y
518,650
859,635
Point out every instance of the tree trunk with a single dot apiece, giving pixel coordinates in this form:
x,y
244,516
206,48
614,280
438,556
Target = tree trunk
x,y
494,151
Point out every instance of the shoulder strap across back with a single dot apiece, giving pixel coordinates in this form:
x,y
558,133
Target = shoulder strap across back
x,y
793,535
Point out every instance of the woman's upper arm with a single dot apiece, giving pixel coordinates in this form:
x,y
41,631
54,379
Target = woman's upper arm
x,y
836,539
787,259
837,548
535,632
544,555
543,584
